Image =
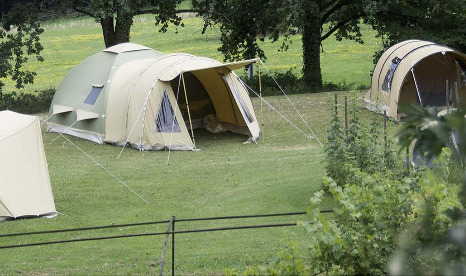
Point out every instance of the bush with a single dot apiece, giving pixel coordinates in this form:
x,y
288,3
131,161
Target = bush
x,y
27,103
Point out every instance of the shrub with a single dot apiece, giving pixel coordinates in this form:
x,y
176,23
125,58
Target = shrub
x,y
27,103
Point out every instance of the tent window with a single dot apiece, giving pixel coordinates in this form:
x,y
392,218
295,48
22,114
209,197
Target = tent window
x,y
166,120
387,82
242,105
94,94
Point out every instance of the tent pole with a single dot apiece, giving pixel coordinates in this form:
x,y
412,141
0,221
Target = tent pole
x,y
417,88
187,107
260,96
447,95
458,100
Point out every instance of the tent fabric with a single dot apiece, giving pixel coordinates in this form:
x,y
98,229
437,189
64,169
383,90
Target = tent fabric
x,y
25,188
416,71
142,102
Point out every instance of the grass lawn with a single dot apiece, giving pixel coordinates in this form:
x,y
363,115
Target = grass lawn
x,y
226,177
277,174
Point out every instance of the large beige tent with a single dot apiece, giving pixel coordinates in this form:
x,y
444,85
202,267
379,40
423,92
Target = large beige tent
x,y
24,177
416,71
131,94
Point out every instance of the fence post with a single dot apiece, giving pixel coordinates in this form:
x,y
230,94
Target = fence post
x,y
346,116
385,131
407,160
164,252
336,103
173,246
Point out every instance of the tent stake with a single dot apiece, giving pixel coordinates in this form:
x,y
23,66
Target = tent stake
x,y
187,107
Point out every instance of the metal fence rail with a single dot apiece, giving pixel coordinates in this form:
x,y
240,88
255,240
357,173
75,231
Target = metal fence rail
x,y
170,231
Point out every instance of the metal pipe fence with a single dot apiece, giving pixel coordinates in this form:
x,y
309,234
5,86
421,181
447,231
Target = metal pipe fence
x,y
170,231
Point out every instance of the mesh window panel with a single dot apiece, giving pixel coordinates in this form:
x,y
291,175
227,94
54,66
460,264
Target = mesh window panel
x,y
243,107
387,82
93,95
166,120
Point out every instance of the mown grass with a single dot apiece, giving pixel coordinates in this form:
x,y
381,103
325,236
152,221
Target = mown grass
x,y
277,174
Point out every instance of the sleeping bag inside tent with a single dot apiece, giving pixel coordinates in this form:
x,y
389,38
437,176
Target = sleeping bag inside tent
x,y
25,189
416,71
131,94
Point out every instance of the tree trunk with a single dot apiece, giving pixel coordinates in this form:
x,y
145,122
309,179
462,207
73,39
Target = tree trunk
x,y
311,39
116,33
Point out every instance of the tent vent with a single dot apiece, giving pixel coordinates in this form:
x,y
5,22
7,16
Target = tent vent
x,y
166,120
387,82
94,94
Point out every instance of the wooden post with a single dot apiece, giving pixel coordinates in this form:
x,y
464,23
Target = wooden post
x,y
407,160
336,103
260,96
385,130
187,107
346,116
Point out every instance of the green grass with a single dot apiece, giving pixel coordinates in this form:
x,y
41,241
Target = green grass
x,y
68,42
226,177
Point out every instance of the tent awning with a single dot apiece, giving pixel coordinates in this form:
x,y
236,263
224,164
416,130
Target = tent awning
x,y
57,109
197,64
85,115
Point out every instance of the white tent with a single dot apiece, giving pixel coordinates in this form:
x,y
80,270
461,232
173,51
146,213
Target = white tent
x,y
24,177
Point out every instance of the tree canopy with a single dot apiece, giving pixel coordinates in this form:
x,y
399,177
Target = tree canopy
x,y
19,40
442,22
244,23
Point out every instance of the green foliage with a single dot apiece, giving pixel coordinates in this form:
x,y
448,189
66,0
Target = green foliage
x,y
437,243
376,201
363,147
19,40
439,21
27,103
371,210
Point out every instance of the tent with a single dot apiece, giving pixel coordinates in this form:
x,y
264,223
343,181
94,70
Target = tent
x,y
24,178
416,71
131,94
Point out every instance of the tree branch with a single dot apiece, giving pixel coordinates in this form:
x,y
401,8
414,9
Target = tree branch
x,y
339,25
337,5
139,12
83,11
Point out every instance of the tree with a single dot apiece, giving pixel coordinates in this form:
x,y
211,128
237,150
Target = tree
x,y
116,16
19,40
244,23
439,21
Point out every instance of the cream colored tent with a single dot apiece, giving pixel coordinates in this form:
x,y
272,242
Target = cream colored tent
x,y
416,71
24,178
130,94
